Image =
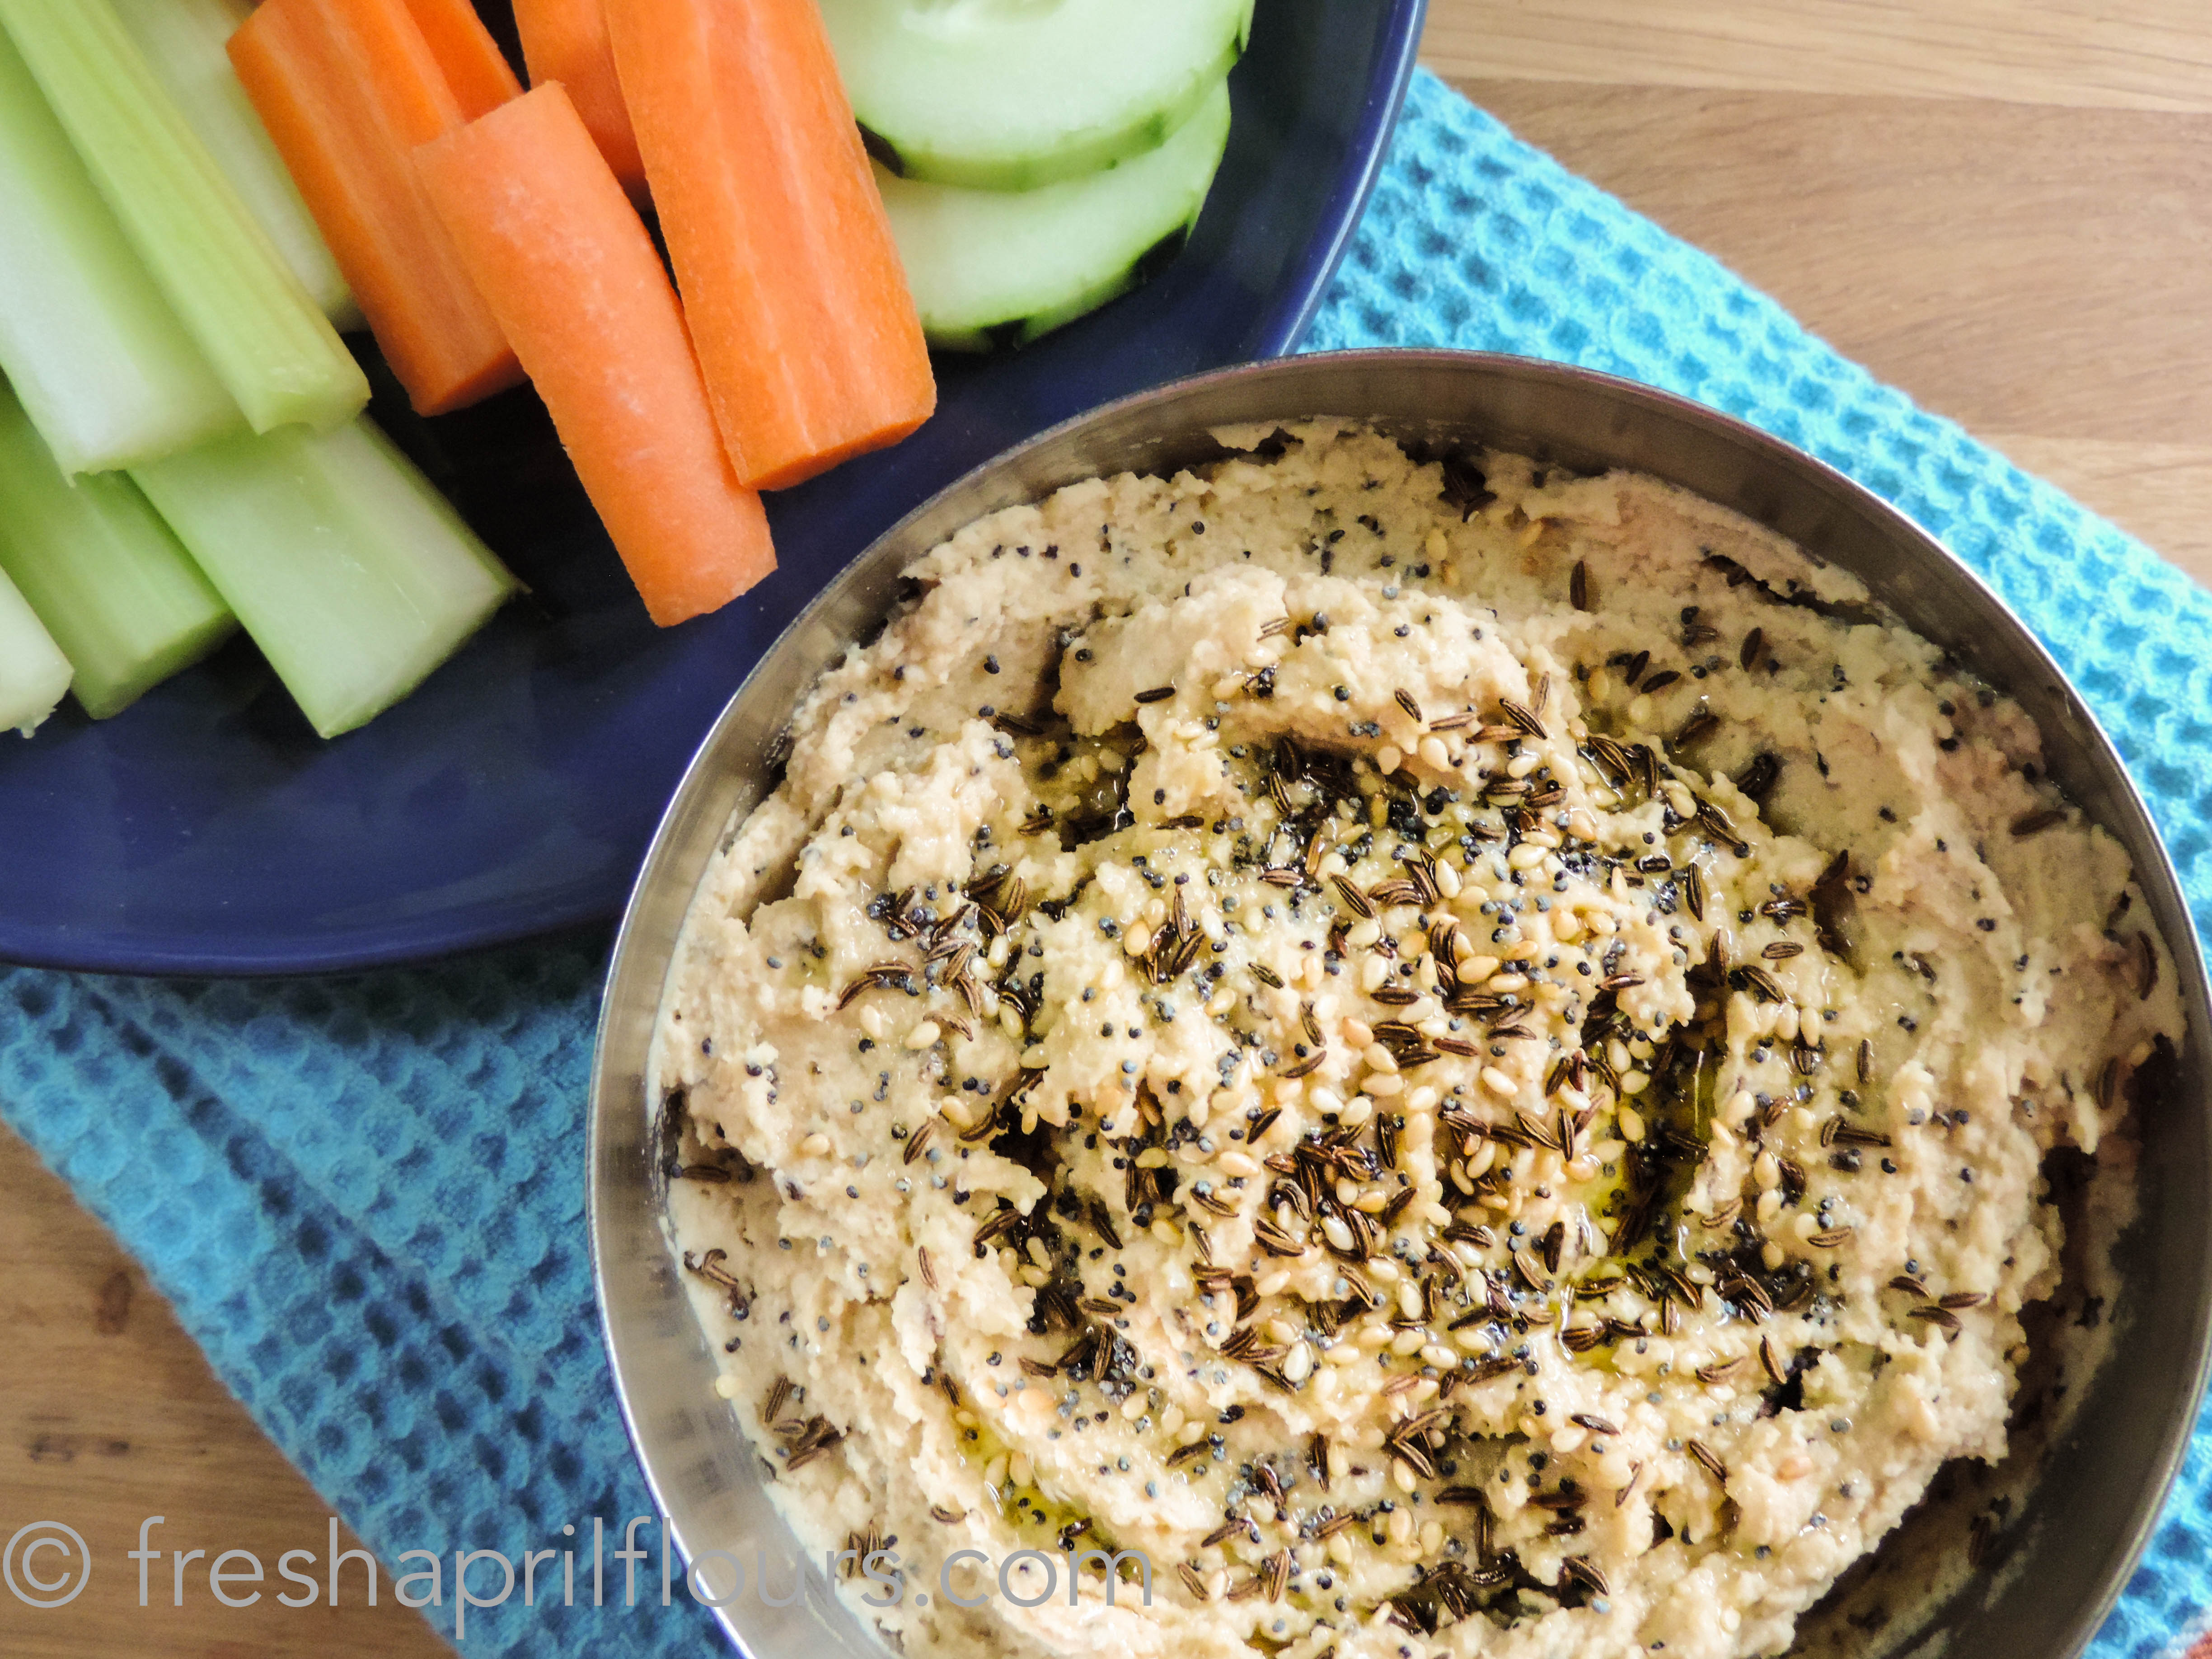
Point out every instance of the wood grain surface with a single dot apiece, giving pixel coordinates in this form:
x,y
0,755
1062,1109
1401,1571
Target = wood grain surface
x,y
2003,206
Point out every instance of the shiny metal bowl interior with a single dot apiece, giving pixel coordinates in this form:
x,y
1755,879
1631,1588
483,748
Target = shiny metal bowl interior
x,y
2062,1564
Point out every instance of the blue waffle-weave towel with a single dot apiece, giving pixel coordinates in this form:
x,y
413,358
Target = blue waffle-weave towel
x,y
372,1209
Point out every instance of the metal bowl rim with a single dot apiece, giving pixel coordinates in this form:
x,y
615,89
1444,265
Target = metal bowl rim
x,y
1812,470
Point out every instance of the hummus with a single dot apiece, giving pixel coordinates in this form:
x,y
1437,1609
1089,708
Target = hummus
x,y
1460,1055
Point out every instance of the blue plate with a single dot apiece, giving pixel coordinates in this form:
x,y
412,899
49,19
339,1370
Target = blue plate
x,y
207,830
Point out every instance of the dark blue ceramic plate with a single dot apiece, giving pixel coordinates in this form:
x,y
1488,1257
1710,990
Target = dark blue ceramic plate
x,y
208,830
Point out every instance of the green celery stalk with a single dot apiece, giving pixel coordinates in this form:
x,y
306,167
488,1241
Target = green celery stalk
x,y
352,573
184,41
122,599
266,340
95,352
34,673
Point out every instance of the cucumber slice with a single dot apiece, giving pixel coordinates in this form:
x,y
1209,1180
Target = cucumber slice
x,y
995,267
1010,95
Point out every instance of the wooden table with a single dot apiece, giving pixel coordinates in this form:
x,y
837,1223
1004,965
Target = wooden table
x,y
2003,206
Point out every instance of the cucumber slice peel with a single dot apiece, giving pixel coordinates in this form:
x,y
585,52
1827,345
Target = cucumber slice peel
x,y
1014,94
994,268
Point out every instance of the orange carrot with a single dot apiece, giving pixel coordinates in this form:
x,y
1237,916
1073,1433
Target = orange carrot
x,y
348,89
793,289
478,74
566,41
541,223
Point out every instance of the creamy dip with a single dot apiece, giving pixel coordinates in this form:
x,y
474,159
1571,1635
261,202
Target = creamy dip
x,y
1460,1055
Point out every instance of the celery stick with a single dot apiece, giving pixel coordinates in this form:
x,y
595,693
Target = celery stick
x,y
183,42
95,352
123,601
268,342
34,673
352,573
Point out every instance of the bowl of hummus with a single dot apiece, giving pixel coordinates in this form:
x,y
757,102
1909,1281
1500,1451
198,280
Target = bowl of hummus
x,y
1397,1004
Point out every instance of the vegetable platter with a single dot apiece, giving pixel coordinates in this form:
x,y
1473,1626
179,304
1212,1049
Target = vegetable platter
x,y
205,826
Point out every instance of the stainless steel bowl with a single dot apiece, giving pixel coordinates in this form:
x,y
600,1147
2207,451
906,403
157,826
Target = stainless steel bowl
x,y
2063,1561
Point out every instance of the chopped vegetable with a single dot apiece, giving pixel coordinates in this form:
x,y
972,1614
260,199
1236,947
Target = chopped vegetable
x,y
124,602
566,41
556,247
798,306
478,74
265,338
183,41
95,352
352,573
34,673
1011,97
348,89
993,267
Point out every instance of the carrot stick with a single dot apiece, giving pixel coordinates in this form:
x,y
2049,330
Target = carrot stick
x,y
792,286
566,41
348,89
556,247
474,67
